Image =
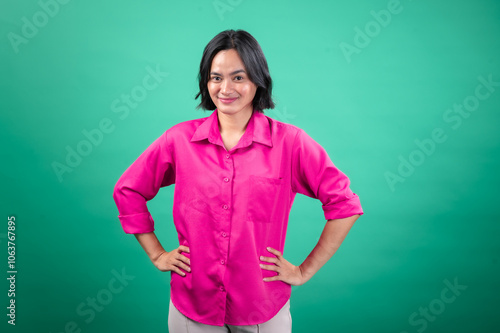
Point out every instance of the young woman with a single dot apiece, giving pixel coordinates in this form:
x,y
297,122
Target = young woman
x,y
236,174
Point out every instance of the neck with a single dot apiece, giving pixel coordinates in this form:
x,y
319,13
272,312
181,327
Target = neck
x,y
234,123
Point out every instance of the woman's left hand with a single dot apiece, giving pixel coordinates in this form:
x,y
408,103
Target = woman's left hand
x,y
286,271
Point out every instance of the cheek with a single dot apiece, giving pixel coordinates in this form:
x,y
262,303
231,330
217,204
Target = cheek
x,y
249,91
212,89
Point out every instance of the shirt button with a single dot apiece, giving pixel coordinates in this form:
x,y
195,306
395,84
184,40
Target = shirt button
x,y
226,179
221,288
222,262
227,155
224,234
225,206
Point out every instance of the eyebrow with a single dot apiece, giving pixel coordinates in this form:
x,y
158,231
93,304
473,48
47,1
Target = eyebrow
x,y
232,73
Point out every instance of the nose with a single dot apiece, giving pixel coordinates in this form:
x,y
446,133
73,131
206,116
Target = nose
x,y
226,87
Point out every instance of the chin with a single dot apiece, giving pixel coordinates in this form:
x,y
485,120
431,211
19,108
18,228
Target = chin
x,y
230,109
227,109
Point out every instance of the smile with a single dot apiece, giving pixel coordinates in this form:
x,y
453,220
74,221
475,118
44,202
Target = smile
x,y
227,100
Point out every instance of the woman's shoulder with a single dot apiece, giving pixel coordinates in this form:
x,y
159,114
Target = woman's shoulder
x,y
187,127
281,127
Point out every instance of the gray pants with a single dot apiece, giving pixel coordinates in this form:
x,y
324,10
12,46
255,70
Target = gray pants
x,y
179,323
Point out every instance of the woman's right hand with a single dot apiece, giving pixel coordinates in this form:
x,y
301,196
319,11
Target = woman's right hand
x,y
174,261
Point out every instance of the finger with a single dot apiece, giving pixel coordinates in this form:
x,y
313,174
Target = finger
x,y
178,271
269,259
270,267
183,248
184,259
274,251
181,257
183,266
272,278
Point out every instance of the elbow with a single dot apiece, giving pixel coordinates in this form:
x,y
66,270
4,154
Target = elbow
x,y
118,192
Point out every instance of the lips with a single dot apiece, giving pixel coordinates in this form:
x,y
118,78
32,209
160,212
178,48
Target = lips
x,y
227,100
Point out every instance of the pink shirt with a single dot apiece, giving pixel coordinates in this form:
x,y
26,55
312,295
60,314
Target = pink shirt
x,y
228,207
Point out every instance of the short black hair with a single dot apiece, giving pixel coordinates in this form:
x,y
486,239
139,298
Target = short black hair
x,y
253,58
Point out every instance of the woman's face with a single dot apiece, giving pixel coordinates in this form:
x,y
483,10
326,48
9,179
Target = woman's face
x,y
229,86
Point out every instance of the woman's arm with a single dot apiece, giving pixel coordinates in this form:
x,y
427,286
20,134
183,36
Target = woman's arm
x,y
332,236
330,240
163,260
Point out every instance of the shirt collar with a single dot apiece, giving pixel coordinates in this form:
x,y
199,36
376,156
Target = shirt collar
x,y
258,130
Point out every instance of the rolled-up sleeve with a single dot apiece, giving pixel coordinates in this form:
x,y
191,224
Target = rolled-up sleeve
x,y
315,175
141,181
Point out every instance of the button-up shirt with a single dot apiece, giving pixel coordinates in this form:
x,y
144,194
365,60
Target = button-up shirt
x,y
229,205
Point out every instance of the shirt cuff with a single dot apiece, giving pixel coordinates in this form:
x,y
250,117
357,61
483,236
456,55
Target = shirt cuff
x,y
343,209
137,223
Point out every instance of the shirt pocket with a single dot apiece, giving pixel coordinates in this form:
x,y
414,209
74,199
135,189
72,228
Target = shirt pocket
x,y
263,198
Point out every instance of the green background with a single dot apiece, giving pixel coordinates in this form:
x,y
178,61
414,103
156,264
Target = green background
x,y
367,109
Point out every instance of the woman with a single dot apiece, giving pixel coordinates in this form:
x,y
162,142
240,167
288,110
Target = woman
x,y
236,173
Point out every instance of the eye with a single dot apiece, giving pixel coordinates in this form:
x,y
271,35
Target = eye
x,y
215,78
238,78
